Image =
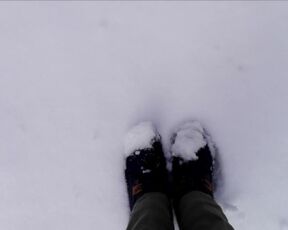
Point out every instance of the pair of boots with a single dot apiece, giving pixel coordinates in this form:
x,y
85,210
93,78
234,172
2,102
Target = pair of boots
x,y
192,156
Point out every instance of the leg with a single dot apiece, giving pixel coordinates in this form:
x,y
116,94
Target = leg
x,y
197,210
151,212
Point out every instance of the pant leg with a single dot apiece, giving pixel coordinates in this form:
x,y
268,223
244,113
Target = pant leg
x,y
198,211
151,212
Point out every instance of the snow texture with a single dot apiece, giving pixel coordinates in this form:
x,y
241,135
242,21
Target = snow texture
x,y
76,75
189,138
140,137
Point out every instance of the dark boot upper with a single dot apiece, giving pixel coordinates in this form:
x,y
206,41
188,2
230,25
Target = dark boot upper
x,y
146,172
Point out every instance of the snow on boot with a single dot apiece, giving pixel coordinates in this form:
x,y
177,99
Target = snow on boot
x,y
192,160
145,162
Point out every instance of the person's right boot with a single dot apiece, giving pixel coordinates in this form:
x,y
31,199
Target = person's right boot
x,y
192,161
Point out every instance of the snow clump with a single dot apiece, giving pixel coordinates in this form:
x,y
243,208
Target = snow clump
x,y
139,137
187,140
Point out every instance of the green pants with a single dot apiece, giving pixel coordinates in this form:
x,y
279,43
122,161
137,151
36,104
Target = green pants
x,y
195,211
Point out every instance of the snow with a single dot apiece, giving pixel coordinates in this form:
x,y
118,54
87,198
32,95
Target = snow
x,y
188,140
140,137
76,76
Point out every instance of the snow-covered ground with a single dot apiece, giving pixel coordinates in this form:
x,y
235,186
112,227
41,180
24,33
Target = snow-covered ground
x,y
75,76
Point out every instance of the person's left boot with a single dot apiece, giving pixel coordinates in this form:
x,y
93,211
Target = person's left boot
x,y
145,162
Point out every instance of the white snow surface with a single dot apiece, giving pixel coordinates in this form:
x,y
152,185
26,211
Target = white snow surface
x,y
139,137
76,76
188,140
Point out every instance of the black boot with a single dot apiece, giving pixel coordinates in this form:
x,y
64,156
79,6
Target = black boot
x,y
146,170
194,173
